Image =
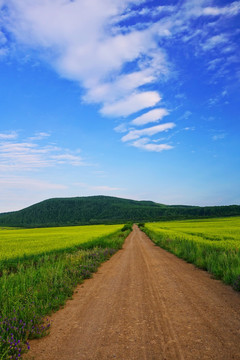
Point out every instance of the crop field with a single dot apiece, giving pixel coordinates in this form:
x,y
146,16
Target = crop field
x,y
211,244
39,269
18,243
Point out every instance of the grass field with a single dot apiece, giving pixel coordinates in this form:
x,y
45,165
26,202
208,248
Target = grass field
x,y
211,244
39,269
16,244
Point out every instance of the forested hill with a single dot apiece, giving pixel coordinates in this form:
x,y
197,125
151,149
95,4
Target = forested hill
x,y
106,210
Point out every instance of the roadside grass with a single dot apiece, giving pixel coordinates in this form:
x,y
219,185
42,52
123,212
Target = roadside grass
x,y
211,244
35,285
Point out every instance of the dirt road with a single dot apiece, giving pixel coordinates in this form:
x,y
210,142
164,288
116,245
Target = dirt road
x,y
145,303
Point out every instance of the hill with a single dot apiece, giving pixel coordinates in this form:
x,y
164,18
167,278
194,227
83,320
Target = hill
x,y
106,210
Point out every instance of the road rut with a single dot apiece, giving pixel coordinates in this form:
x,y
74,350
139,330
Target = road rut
x,y
144,303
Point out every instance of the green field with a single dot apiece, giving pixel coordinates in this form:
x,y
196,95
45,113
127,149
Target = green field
x,y
18,243
39,269
211,244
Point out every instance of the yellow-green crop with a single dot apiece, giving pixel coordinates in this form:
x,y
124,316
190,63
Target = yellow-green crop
x,y
212,244
17,243
220,229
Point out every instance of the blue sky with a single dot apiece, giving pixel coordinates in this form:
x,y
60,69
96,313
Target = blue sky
x,y
136,99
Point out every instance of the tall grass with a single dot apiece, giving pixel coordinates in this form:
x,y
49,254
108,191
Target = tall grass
x,y
212,244
36,285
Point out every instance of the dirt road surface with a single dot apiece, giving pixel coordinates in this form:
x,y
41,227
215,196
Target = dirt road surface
x,y
144,303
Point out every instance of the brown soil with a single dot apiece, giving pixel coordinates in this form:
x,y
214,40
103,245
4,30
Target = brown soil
x,y
144,303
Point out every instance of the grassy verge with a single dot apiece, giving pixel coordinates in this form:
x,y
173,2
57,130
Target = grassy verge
x,y
220,258
33,288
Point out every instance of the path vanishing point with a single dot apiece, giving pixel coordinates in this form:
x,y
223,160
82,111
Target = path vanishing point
x,y
145,304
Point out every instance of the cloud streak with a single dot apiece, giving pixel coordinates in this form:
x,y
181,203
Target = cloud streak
x,y
17,182
132,104
8,136
145,144
98,188
135,134
229,10
30,155
151,116
217,40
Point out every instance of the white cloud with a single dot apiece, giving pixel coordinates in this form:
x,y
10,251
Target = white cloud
x,y
229,10
29,156
135,134
228,49
40,136
218,98
215,41
192,35
16,182
186,115
17,192
197,8
8,136
67,158
151,116
145,144
180,96
121,128
219,136
3,38
151,11
120,86
132,104
93,61
164,8
100,188
3,52
212,64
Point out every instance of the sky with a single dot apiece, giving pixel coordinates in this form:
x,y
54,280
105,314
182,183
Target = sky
x,y
129,98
